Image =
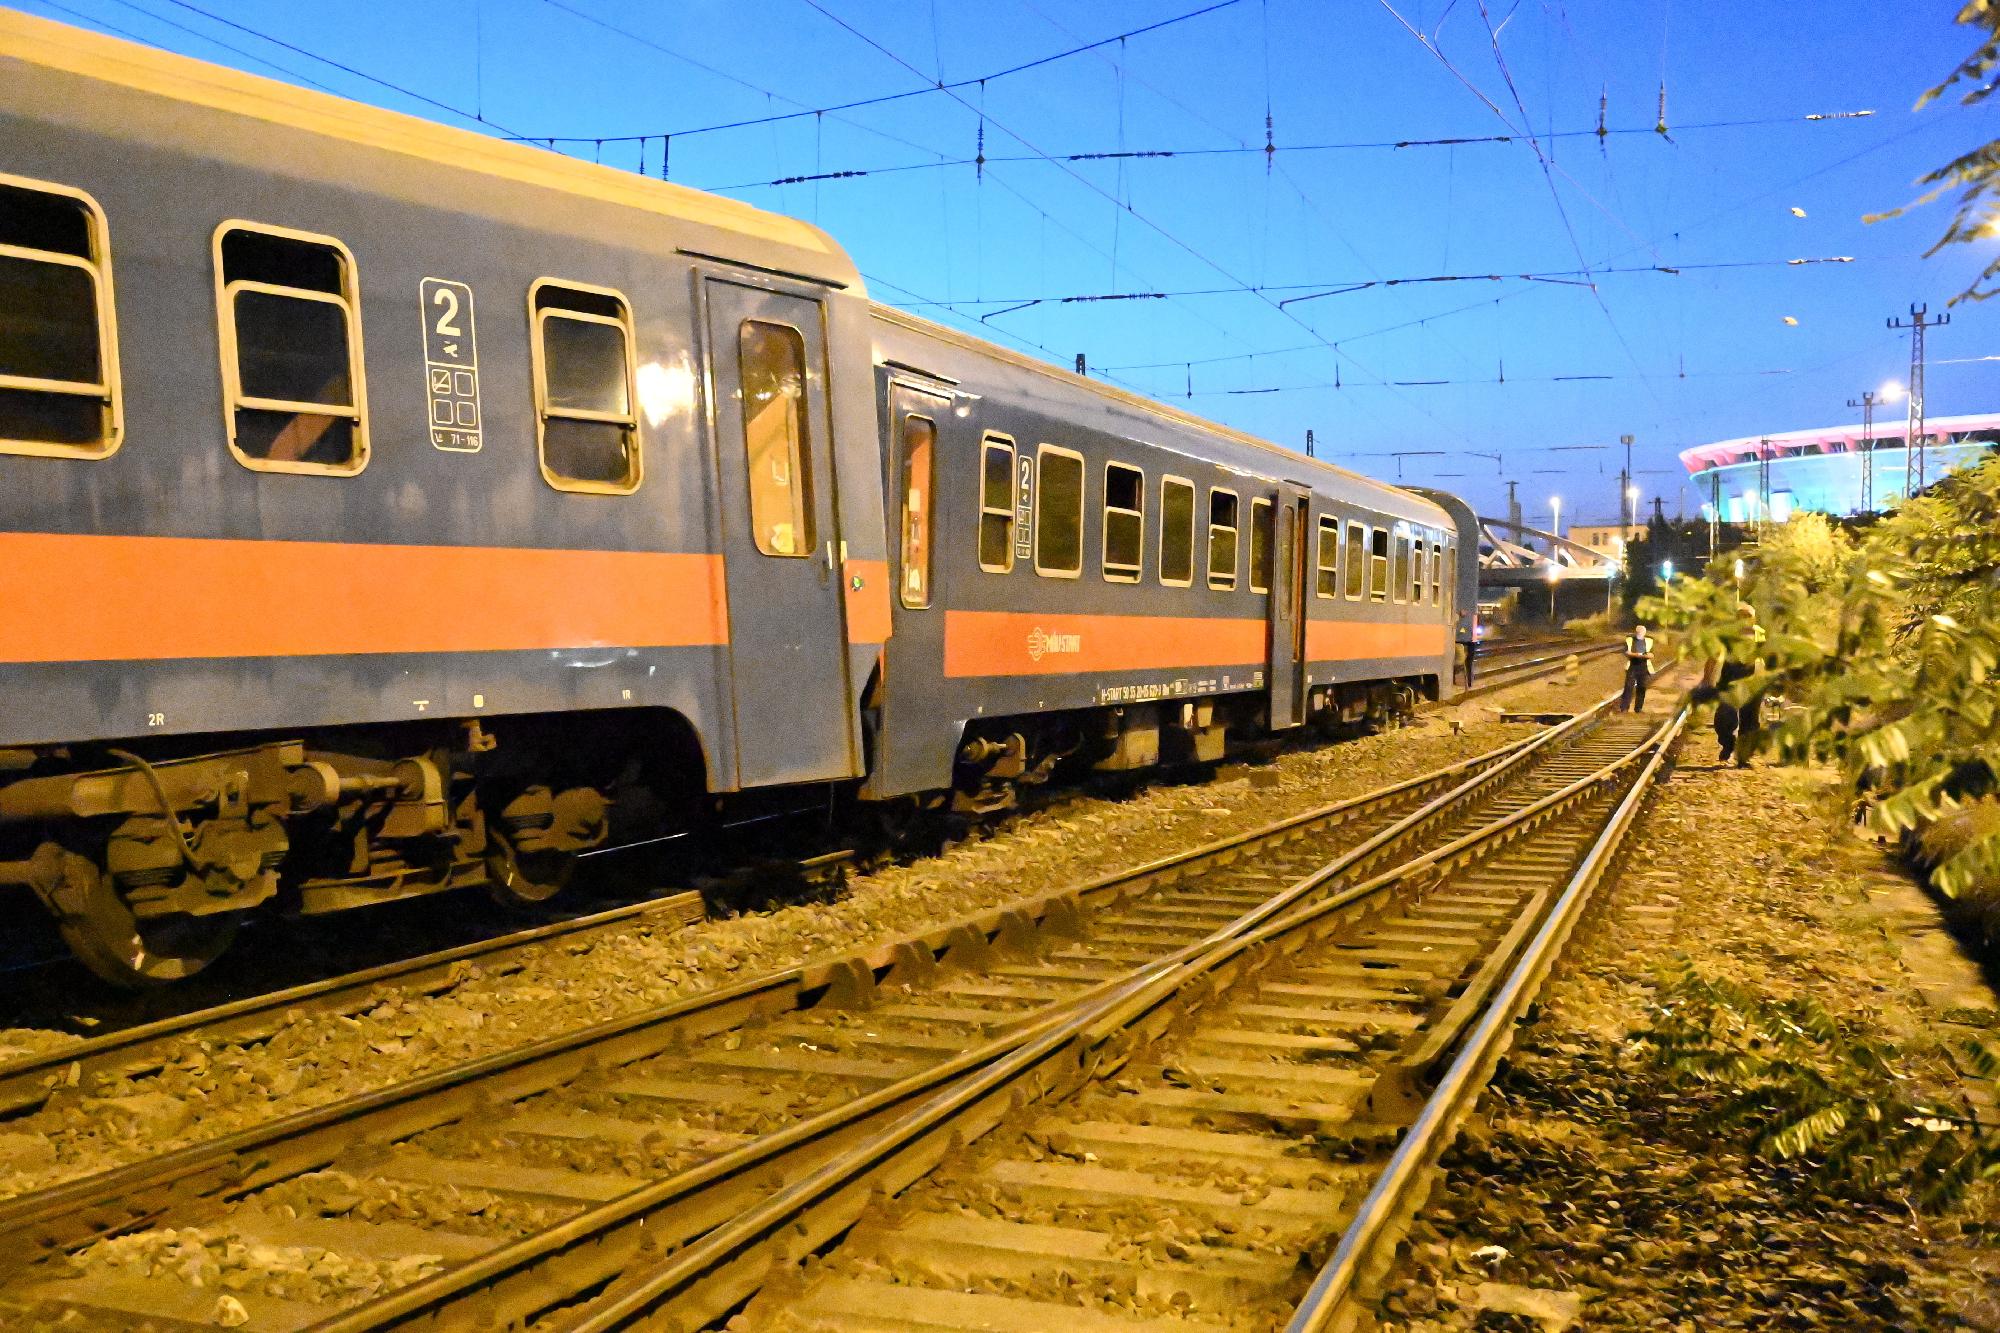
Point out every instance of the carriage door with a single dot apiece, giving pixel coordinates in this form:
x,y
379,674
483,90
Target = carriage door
x,y
1287,672
780,539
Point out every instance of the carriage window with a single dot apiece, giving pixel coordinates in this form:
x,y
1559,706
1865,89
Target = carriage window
x,y
1260,546
586,428
1400,580
1357,559
996,504
1176,532
1222,539
919,441
290,316
772,362
1058,512
1328,582
58,355
1437,574
1124,522
1378,565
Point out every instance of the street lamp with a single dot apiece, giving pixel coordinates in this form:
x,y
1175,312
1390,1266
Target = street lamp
x,y
1556,510
1555,577
1666,571
1892,391
1631,506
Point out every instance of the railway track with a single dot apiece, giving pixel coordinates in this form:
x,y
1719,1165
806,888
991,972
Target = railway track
x,y
500,1188
27,1082
1175,1156
1503,670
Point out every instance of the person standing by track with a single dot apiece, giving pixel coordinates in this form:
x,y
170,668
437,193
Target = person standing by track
x,y
1638,670
1736,725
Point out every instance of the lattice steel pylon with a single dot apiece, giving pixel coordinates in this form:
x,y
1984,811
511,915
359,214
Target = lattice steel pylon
x,y
1913,443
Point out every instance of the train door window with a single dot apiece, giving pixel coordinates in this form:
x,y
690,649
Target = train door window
x,y
586,430
1260,546
1124,522
1437,574
59,393
996,504
1176,532
1222,512
919,448
289,309
1357,559
1399,585
1378,565
772,369
1327,584
1058,512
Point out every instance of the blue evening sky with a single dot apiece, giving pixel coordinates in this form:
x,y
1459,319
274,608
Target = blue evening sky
x,y
1674,359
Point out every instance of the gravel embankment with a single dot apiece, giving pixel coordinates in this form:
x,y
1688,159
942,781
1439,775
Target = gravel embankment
x,y
204,1090
1589,1195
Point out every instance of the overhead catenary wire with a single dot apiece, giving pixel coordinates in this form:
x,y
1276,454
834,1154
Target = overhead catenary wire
x,y
933,85
1342,287
361,74
1140,155
196,33
1097,189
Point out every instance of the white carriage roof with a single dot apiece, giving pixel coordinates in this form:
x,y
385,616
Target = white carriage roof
x,y
61,47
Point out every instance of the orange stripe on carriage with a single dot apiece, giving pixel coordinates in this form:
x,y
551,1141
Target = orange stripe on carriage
x,y
1359,640
868,619
68,597
1020,643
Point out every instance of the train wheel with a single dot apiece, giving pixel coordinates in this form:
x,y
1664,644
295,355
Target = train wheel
x,y
125,951
525,879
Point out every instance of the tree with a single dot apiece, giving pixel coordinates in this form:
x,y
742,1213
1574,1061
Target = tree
x,y
1888,656
1976,174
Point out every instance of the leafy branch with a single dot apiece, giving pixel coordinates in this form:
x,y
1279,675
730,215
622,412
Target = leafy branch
x,y
1799,1085
1974,174
1887,654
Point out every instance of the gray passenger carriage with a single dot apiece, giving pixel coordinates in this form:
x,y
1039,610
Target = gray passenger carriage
x,y
1082,571
379,502
387,509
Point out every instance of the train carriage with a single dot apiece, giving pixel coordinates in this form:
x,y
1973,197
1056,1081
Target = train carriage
x,y
376,498
1079,569
386,509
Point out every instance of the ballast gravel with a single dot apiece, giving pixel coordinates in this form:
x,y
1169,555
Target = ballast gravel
x,y
1589,1194
205,1089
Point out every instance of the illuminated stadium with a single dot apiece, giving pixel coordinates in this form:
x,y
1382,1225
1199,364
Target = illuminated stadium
x,y
1828,470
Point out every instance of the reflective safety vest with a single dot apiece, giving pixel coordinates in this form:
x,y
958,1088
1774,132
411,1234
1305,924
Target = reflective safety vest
x,y
1638,649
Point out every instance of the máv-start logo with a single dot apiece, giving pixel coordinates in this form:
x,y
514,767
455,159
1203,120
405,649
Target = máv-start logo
x,y
1040,641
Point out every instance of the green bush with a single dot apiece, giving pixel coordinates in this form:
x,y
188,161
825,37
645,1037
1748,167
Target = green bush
x,y
1886,650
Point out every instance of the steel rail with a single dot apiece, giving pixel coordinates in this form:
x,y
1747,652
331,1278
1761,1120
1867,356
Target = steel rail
x,y
616,1232
234,1165
1580,652
27,1082
1374,1226
719,1270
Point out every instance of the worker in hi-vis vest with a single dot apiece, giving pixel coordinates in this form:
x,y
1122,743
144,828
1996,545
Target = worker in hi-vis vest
x,y
1638,669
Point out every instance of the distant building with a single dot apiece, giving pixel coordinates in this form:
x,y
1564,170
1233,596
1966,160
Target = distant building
x,y
1831,470
1605,537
